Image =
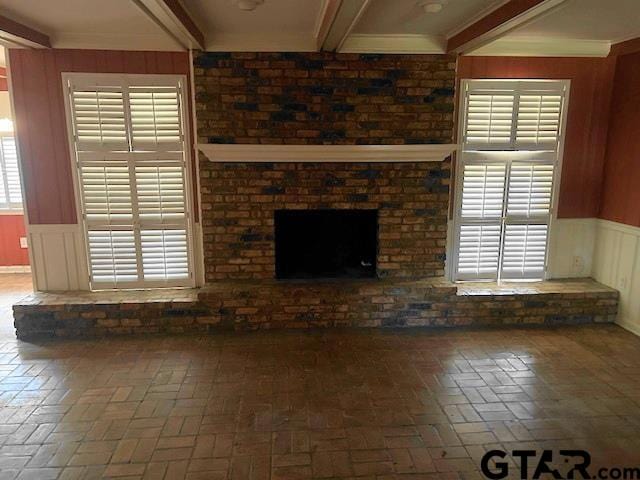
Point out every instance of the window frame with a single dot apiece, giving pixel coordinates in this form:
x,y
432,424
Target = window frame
x,y
490,154
125,81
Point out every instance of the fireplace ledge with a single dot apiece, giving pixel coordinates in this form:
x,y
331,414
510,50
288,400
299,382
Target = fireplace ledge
x,y
326,153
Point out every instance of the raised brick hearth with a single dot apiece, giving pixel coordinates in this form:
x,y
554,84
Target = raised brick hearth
x,y
251,305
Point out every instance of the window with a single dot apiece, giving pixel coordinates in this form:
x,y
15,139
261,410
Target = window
x,y
10,191
131,169
511,133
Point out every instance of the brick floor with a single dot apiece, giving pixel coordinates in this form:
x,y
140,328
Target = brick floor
x,y
410,404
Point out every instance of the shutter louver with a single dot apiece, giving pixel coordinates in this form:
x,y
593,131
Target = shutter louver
x,y
483,191
99,120
160,192
164,254
155,118
525,249
538,120
530,187
112,256
489,119
106,192
479,250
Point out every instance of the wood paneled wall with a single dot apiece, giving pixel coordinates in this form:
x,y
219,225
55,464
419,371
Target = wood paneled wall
x,y
585,140
11,229
40,117
621,191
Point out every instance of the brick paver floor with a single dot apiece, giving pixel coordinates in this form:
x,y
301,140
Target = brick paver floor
x,y
411,404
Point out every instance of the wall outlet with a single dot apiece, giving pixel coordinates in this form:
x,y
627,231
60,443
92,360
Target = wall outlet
x,y
23,242
578,264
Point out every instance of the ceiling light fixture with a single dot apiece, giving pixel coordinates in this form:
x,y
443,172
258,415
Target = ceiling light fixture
x,y
248,5
431,6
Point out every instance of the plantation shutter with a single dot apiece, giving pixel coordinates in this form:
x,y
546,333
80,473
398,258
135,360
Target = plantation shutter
x,y
10,189
511,137
132,172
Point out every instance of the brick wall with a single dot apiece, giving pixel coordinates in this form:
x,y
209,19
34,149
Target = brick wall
x,y
239,199
319,98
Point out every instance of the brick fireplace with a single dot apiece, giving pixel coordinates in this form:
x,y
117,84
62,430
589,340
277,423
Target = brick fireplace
x,y
240,201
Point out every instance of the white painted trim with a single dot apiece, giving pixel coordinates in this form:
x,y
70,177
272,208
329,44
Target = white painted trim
x,y
630,327
620,227
347,17
159,13
326,153
15,269
325,19
394,43
516,46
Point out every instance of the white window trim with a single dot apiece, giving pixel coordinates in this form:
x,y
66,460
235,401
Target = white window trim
x,y
134,80
556,157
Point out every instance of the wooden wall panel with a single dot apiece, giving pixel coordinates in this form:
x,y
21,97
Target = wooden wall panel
x,y
621,191
585,141
11,229
41,124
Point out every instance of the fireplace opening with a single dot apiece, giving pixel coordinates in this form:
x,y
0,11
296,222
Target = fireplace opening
x,y
326,243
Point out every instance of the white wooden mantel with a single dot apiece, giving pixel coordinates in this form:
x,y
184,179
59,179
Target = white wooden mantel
x,y
326,153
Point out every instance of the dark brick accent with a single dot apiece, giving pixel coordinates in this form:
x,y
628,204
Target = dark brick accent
x,y
323,97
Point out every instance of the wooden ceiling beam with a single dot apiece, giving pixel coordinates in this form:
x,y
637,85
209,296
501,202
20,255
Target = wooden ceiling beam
x,y
502,20
16,34
172,17
625,48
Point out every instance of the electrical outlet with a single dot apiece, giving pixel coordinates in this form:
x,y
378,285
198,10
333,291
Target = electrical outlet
x,y
578,264
23,242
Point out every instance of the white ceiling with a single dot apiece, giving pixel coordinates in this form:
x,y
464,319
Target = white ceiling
x,y
576,27
116,24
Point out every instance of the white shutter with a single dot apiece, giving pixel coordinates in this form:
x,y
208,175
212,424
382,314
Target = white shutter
x,y
538,120
106,193
511,134
161,192
155,118
112,257
483,191
489,119
164,255
99,119
10,189
525,248
132,171
530,189
479,251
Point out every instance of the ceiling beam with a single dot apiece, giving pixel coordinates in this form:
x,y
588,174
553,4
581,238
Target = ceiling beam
x,y
345,20
16,34
502,20
172,17
625,48
325,20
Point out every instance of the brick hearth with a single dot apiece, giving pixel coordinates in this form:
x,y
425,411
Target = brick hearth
x,y
242,305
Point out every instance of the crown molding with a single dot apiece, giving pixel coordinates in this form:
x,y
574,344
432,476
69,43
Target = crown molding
x,y
326,153
274,42
394,43
543,47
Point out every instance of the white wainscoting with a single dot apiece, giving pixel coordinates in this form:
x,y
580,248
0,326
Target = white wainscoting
x,y
616,263
571,246
58,259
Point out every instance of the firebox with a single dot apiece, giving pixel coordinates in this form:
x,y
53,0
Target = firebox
x,y
326,243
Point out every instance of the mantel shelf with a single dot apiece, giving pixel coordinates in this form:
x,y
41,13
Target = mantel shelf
x,y
326,153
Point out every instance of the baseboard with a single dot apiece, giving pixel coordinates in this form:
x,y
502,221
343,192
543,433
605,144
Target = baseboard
x,y
630,327
15,269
